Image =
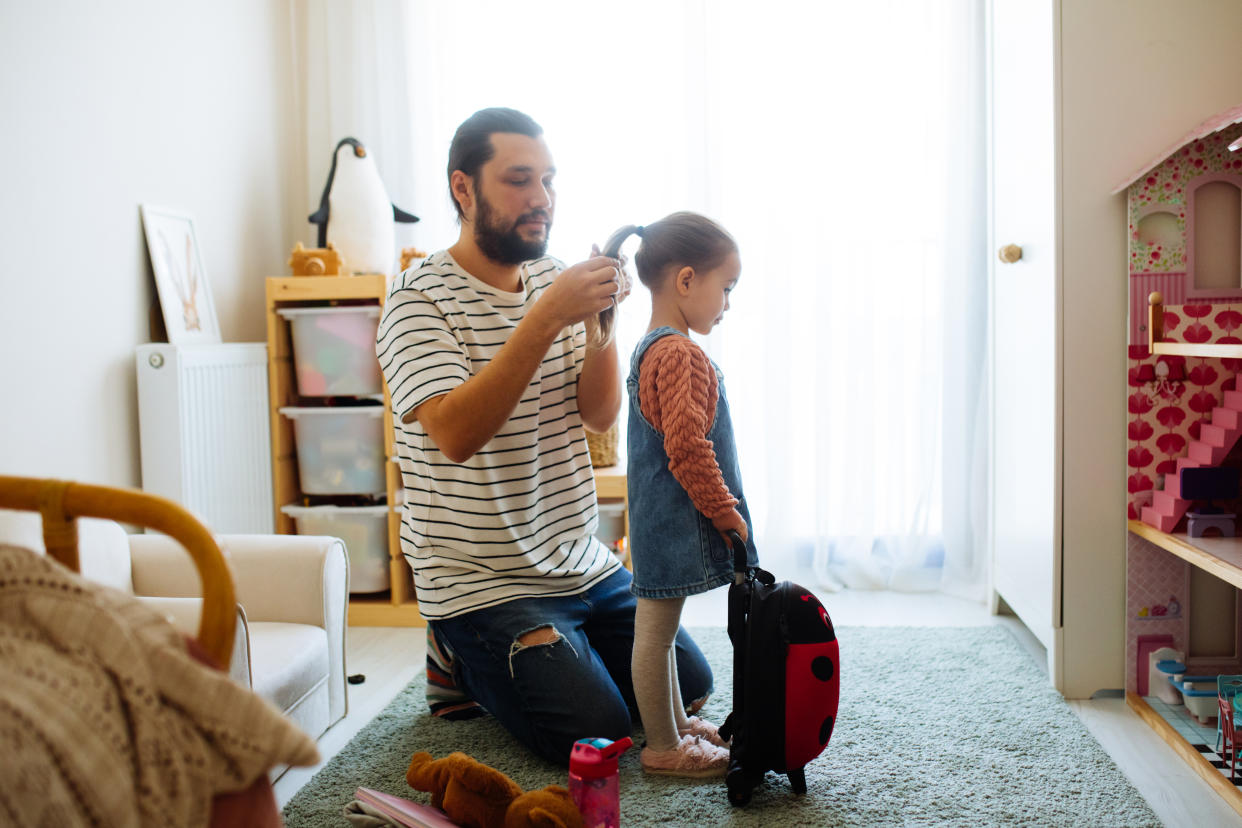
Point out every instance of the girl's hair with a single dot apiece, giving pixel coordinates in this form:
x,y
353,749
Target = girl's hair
x,y
472,143
681,239
678,240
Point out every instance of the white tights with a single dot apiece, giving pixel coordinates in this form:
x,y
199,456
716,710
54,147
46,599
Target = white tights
x,y
654,668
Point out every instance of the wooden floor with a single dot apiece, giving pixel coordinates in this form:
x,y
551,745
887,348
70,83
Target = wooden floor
x,y
389,658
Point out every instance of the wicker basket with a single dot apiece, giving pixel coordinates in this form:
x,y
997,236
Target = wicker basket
x,y
604,446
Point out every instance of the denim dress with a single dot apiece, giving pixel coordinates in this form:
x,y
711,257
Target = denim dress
x,y
675,549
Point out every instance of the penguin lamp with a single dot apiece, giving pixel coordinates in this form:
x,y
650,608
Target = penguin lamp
x,y
354,213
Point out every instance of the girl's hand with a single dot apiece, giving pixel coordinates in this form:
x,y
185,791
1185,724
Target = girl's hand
x,y
731,519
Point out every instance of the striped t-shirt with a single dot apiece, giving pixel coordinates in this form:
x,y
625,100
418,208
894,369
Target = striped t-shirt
x,y
517,519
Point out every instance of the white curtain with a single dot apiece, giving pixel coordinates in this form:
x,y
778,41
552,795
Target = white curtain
x,y
843,146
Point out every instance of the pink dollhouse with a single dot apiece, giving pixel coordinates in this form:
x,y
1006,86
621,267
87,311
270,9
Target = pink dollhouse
x,y
1185,238
1184,229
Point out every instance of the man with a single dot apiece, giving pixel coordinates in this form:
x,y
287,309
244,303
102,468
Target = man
x,y
484,348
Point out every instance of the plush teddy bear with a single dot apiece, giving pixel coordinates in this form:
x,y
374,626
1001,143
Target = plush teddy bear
x,y
551,807
475,795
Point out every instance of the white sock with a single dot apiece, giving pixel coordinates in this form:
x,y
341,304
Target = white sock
x,y
654,668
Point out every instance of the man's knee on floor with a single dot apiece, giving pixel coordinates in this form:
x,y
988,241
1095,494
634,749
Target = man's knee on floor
x,y
543,638
546,634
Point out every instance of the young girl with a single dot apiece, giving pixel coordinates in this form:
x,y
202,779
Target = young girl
x,y
685,489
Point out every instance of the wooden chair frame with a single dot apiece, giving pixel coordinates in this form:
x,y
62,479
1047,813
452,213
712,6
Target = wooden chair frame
x,y
61,502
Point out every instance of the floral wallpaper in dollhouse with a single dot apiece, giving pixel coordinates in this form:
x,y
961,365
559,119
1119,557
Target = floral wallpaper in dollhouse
x,y
1165,414
1170,397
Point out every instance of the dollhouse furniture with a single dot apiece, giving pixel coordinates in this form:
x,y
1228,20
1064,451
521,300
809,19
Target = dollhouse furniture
x,y
1199,523
1210,484
1227,688
284,634
1228,735
73,524
1185,277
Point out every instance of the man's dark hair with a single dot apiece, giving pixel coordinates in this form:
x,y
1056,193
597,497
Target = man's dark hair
x,y
472,143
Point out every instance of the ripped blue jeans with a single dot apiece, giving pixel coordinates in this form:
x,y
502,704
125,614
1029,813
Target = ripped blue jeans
x,y
574,682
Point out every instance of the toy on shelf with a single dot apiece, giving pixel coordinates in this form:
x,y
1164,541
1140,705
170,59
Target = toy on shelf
x,y
355,214
409,254
472,793
1210,483
1156,612
315,261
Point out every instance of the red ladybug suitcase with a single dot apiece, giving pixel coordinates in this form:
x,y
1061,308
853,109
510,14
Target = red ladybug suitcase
x,y
786,682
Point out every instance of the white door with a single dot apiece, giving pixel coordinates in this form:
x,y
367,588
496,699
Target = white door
x,y
1026,529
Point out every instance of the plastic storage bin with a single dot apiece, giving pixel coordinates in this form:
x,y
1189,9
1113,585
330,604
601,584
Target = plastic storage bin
x,y
611,522
334,350
340,450
364,530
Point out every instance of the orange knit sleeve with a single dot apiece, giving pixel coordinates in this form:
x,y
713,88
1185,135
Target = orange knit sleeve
x,y
677,394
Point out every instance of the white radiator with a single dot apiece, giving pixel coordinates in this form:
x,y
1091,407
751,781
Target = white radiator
x,y
205,432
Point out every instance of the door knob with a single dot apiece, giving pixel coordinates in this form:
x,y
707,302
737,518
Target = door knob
x,y
1010,253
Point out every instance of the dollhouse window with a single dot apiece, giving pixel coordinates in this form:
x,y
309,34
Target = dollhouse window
x,y
1215,229
1159,227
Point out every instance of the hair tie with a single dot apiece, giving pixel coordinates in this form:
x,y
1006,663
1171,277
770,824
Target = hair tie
x,y
638,231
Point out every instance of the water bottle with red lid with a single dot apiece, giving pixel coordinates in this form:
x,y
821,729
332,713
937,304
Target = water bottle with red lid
x,y
593,780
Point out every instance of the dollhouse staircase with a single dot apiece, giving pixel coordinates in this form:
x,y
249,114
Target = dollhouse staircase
x,y
1216,440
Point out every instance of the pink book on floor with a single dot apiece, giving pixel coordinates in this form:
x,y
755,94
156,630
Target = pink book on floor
x,y
404,811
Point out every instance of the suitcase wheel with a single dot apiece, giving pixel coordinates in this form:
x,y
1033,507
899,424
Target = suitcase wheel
x,y
739,795
739,783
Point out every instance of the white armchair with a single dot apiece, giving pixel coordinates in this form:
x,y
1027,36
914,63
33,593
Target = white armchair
x,y
292,592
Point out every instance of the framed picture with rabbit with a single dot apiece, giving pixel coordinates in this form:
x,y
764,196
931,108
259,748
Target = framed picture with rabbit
x,y
180,280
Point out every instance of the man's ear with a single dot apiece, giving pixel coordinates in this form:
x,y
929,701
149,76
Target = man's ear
x,y
683,280
462,188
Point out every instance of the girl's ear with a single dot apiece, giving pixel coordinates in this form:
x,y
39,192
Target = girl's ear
x,y
461,187
683,279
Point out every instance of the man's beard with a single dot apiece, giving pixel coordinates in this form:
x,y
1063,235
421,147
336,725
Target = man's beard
x,y
502,244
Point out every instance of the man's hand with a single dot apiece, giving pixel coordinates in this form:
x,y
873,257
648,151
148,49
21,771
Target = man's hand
x,y
624,282
731,519
580,291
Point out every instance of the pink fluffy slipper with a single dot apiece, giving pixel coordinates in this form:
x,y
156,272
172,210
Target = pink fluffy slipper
x,y
704,730
693,757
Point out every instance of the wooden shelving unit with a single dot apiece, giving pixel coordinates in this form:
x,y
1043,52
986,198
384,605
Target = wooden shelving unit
x,y
610,487
1221,557
398,607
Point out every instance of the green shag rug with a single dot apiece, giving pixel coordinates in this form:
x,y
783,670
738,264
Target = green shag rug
x,y
937,726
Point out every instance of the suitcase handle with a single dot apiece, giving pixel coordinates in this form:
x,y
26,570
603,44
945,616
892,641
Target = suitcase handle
x,y
740,570
739,555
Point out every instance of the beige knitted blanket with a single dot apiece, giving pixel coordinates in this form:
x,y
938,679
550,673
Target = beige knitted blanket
x,y
105,718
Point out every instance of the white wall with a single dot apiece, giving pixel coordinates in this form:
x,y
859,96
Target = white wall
x,y
106,106
1135,76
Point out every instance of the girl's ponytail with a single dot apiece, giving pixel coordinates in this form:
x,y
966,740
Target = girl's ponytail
x,y
602,332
